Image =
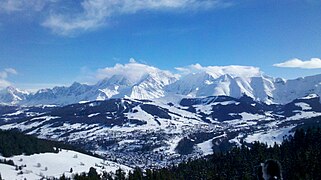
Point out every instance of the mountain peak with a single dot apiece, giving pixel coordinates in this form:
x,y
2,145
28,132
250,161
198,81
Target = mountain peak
x,y
12,95
217,71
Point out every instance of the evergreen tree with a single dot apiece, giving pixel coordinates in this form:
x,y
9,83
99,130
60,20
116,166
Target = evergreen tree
x,y
107,176
63,177
92,174
137,174
119,174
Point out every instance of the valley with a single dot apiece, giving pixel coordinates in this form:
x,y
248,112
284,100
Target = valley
x,y
151,134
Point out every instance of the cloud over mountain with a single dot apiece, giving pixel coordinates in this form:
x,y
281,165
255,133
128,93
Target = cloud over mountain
x,y
216,71
133,71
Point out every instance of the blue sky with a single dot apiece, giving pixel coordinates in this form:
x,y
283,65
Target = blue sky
x,y
55,42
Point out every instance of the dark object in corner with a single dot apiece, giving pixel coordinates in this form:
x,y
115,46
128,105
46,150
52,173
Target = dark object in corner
x,y
270,170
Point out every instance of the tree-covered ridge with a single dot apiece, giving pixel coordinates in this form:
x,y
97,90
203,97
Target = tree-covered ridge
x,y
16,143
13,142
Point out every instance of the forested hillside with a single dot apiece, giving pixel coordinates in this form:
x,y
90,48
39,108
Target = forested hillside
x,y
16,143
13,142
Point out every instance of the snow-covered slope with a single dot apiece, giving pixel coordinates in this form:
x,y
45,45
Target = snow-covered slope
x,y
288,90
233,81
152,86
204,84
51,165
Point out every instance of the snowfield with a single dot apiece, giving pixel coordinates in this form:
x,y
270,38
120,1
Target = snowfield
x,y
55,165
271,136
304,106
206,147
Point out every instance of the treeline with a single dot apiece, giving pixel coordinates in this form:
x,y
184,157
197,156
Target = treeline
x,y
299,155
13,142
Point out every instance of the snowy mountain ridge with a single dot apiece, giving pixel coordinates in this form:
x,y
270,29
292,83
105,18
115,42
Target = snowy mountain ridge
x,y
196,81
12,95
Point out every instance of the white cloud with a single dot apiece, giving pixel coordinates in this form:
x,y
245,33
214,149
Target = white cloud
x,y
95,13
4,83
313,63
4,75
93,16
217,71
133,71
70,17
10,6
11,71
132,60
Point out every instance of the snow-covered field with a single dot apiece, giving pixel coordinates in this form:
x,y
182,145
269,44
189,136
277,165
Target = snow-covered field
x,y
55,165
271,136
207,146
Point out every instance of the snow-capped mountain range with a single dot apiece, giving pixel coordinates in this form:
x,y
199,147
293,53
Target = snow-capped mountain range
x,y
148,117
233,81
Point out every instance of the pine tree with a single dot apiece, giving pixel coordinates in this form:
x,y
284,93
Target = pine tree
x,y
119,174
107,176
63,177
137,174
92,174
149,174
